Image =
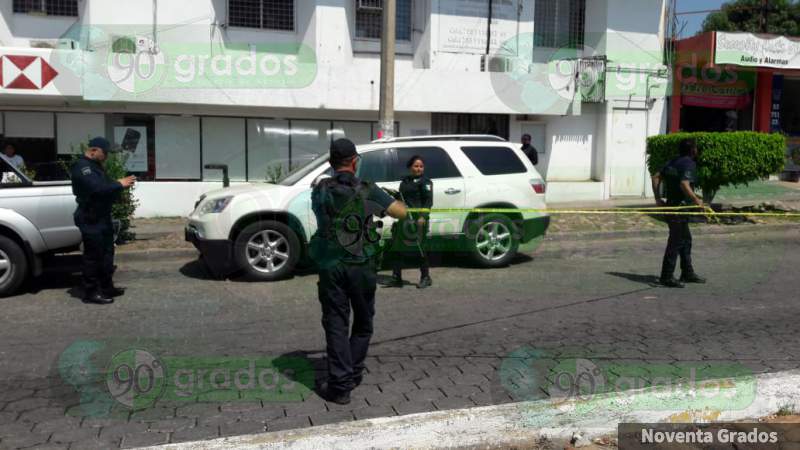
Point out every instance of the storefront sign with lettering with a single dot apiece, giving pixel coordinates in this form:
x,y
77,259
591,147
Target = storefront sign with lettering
x,y
749,50
463,24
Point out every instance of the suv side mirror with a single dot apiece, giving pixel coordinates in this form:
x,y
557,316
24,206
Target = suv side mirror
x,y
319,178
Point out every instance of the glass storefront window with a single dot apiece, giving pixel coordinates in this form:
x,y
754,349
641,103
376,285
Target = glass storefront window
x,y
74,129
224,143
310,138
267,149
171,147
358,132
177,148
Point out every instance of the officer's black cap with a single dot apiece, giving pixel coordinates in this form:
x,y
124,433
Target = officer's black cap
x,y
101,143
342,150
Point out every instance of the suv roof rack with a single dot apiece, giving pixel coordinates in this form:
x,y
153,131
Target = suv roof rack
x,y
443,137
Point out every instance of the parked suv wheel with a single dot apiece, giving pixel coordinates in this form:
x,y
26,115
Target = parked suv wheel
x,y
267,250
13,266
493,240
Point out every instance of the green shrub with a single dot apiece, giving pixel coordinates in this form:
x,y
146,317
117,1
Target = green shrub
x,y
730,158
126,204
275,173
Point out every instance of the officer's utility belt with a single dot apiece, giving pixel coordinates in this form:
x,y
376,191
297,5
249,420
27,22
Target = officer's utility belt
x,y
88,214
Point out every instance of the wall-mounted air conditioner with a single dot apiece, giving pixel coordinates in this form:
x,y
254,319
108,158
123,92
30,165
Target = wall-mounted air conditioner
x,y
493,63
591,78
44,43
123,44
146,44
369,5
60,44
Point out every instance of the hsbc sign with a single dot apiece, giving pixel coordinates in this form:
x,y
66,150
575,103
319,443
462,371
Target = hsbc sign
x,y
36,72
25,72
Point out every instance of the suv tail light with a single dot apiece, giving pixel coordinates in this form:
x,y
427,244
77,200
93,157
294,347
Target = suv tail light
x,y
538,186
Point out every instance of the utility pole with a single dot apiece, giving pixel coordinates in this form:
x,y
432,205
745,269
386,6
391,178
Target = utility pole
x,y
489,32
386,110
764,16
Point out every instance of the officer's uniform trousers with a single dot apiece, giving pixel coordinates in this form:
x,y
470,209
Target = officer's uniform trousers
x,y
679,244
98,250
341,287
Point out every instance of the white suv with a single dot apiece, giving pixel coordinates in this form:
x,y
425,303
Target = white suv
x,y
262,229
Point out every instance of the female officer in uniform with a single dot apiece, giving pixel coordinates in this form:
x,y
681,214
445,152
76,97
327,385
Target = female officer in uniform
x,y
411,234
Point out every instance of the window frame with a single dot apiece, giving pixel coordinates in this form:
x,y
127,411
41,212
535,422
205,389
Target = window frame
x,y
42,11
261,19
373,45
557,27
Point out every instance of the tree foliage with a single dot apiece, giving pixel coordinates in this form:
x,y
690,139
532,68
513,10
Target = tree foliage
x,y
783,17
724,158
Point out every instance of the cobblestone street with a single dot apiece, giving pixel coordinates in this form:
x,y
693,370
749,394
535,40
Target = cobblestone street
x,y
458,344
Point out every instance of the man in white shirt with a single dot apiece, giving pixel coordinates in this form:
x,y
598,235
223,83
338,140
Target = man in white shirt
x,y
16,160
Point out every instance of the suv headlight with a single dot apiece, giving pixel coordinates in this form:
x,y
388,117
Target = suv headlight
x,y
214,206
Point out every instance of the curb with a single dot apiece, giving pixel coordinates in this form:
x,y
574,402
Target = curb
x,y
662,232
526,423
143,255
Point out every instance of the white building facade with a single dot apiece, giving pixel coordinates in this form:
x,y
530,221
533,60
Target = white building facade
x,y
264,85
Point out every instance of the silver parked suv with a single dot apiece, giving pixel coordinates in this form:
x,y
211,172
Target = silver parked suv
x,y
35,220
263,229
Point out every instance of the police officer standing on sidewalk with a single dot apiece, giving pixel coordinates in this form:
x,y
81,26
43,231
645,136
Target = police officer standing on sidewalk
x,y
679,177
96,194
343,248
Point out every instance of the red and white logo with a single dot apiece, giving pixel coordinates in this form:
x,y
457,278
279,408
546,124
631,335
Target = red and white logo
x,y
25,72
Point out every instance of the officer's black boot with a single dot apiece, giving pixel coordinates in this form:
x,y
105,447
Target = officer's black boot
x,y
112,291
692,278
334,395
97,298
424,281
397,279
671,283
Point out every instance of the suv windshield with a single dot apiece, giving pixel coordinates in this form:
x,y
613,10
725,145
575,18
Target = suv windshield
x,y
298,174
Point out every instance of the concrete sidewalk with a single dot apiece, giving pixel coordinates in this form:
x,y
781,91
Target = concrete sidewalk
x,y
755,193
552,423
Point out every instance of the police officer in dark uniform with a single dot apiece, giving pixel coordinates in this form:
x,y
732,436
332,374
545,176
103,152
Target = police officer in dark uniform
x,y
417,191
529,150
343,248
96,194
679,177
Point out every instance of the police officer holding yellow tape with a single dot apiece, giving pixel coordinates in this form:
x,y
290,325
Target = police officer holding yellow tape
x,y
416,190
679,177
344,247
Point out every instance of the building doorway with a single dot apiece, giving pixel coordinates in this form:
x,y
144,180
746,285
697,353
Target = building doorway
x,y
697,118
453,123
628,153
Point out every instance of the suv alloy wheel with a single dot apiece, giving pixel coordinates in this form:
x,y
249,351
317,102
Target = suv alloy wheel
x,y
13,266
267,250
493,240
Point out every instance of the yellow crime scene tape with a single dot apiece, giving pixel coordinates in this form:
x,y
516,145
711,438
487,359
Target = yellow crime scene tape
x,y
661,210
